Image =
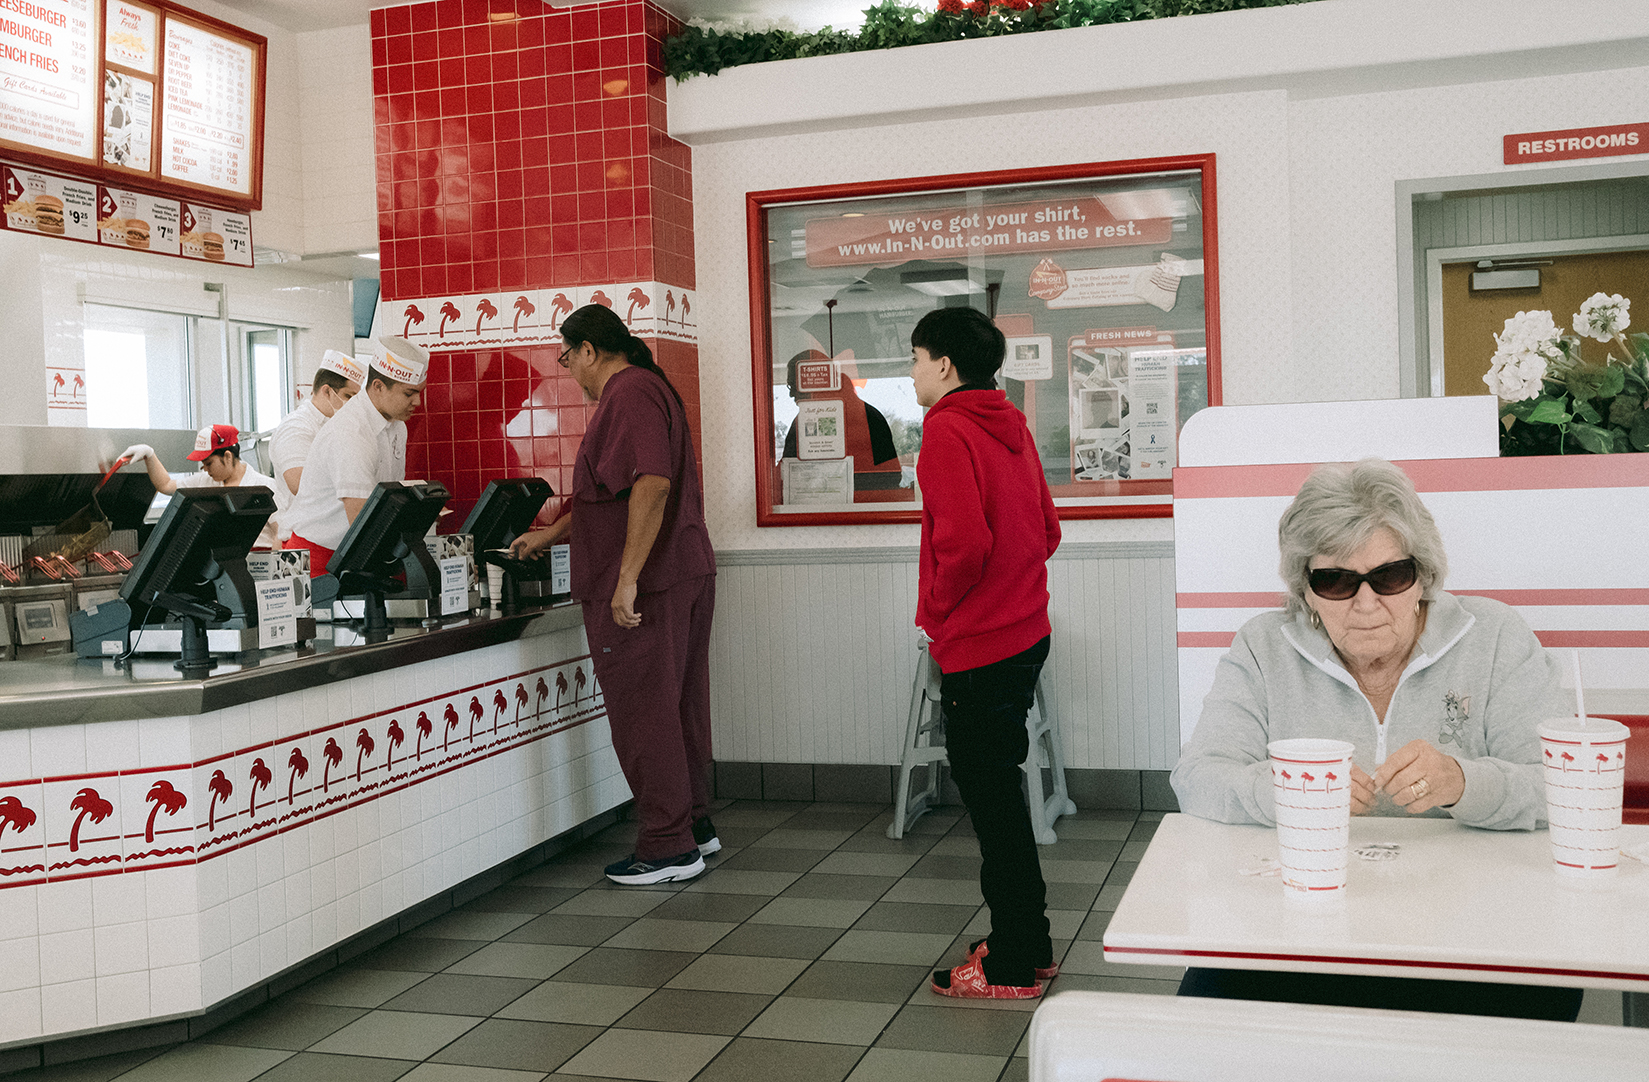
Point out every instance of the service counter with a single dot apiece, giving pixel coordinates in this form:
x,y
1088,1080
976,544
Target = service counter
x,y
167,843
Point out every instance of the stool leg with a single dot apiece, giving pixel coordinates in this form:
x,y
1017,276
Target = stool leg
x,y
1062,802
1035,800
907,763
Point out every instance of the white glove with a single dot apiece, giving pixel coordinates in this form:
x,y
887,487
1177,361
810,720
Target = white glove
x,y
137,452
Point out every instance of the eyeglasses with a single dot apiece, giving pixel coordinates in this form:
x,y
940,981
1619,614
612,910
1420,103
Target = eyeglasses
x,y
1338,584
562,359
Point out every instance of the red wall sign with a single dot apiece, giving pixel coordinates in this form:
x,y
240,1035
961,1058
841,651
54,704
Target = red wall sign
x,y
1556,146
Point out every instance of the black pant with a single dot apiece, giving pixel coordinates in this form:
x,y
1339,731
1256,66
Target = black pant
x,y
1390,993
986,742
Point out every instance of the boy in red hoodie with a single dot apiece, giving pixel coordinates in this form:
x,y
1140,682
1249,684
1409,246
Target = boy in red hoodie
x,y
988,528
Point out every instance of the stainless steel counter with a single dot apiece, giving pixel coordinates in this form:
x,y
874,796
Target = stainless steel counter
x,y
64,690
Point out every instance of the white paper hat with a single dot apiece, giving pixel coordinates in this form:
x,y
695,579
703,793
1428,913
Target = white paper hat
x,y
400,360
345,365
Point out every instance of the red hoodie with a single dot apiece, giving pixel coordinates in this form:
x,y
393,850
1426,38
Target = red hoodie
x,y
988,528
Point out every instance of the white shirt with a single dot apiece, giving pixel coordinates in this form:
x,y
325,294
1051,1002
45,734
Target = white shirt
x,y
202,479
355,450
289,449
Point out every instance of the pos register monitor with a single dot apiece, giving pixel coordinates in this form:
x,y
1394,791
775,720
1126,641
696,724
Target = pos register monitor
x,y
383,552
192,569
504,512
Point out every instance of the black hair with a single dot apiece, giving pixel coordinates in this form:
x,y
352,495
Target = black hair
x,y
232,449
325,377
967,336
600,326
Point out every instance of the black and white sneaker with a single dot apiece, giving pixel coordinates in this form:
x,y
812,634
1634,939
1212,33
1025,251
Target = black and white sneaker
x,y
704,833
639,873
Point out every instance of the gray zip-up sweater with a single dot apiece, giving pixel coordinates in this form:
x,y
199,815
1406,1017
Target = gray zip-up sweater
x,y
1476,687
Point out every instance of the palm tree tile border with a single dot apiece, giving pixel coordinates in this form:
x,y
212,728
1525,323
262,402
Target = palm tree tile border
x,y
69,827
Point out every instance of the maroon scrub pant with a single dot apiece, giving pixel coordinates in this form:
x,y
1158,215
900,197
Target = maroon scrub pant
x,y
656,679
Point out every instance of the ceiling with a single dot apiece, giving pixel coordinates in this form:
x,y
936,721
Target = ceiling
x,y
301,15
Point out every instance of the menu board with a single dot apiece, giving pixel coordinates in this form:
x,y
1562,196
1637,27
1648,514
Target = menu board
x,y
206,137
50,205
134,93
48,75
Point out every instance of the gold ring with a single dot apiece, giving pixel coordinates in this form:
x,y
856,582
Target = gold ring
x,y
1421,788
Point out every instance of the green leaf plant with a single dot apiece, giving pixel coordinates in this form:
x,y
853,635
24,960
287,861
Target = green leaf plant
x,y
702,49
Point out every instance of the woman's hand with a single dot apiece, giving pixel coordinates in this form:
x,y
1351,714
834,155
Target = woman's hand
x,y
1363,791
1418,778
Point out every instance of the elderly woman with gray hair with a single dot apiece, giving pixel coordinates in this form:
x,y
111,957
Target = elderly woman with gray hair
x,y
1440,695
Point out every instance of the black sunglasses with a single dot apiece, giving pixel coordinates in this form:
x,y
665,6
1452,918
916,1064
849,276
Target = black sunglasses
x,y
1338,584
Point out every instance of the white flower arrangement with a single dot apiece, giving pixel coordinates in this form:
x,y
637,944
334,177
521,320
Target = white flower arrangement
x,y
1525,349
1603,316
1558,402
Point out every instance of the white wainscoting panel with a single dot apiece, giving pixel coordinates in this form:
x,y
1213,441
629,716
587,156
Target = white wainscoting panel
x,y
813,654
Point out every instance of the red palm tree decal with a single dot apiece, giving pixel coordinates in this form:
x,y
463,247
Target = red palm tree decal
x,y
423,725
449,314
560,686
559,306
333,755
90,805
1602,761
261,778
578,684
14,813
601,298
298,765
164,796
79,385
57,383
499,705
1287,777
1305,780
1548,753
484,310
364,744
1567,759
520,701
1329,778
523,307
450,716
542,692
637,299
686,306
222,788
477,712
669,305
396,737
414,318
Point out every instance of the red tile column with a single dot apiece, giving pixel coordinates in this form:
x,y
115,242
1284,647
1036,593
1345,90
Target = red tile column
x,y
523,170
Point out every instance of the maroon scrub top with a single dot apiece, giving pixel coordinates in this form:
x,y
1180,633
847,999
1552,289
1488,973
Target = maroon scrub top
x,y
638,428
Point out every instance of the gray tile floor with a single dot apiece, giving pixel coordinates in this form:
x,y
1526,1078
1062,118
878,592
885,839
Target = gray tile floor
x,y
802,954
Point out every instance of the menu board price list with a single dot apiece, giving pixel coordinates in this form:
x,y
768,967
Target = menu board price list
x,y
48,94
208,118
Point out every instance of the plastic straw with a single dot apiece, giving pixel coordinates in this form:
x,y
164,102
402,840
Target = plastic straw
x,y
1580,692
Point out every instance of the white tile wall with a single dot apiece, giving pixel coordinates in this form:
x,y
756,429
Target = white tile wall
x,y
121,947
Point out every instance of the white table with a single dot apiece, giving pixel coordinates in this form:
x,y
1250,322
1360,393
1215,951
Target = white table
x,y
1456,903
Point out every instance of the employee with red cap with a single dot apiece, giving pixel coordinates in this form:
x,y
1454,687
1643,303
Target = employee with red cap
x,y
364,443
217,449
338,379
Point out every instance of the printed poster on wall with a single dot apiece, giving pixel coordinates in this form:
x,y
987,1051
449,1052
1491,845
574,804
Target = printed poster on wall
x,y
48,75
49,205
217,236
207,132
1154,397
129,36
128,121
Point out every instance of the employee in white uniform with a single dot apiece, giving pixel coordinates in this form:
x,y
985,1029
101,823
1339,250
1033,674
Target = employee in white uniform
x,y
364,443
217,449
337,381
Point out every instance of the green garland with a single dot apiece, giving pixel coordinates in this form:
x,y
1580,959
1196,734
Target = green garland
x,y
889,25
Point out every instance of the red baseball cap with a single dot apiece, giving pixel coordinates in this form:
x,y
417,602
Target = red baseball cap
x,y
212,439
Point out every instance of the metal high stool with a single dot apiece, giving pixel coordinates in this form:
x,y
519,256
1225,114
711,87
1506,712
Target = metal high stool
x,y
925,747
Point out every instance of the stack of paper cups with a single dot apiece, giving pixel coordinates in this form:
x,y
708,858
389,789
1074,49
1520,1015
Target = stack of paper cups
x,y
1584,760
1311,780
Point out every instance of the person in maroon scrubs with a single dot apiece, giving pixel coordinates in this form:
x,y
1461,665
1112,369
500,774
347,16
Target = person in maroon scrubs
x,y
644,570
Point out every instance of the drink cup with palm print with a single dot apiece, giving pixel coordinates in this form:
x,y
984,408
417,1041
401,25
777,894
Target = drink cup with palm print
x,y
1311,780
1584,762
